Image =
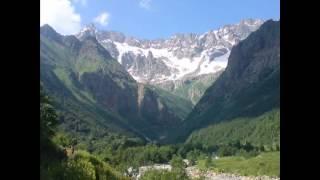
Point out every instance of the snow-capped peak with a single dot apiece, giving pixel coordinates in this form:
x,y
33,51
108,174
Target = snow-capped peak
x,y
181,55
89,29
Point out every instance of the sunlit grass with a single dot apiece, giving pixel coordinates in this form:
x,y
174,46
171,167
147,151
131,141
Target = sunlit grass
x,y
263,164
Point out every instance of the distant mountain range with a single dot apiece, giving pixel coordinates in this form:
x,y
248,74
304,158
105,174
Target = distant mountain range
x,y
172,63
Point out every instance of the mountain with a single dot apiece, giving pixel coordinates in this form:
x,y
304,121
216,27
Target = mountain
x,y
96,95
250,85
174,61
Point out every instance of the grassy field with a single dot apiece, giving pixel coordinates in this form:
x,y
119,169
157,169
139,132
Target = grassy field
x,y
263,164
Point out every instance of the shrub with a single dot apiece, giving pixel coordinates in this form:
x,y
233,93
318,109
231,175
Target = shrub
x,y
81,169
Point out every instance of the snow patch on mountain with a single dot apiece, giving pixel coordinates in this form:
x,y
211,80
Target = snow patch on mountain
x,y
154,61
218,64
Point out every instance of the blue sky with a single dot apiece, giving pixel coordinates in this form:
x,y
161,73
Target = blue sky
x,y
151,19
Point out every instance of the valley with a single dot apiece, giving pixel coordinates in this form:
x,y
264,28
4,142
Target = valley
x,y
123,103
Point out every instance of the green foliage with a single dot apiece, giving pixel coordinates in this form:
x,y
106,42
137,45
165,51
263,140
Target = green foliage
x,y
124,157
48,150
260,131
122,152
54,164
80,169
82,166
227,151
48,117
208,162
94,167
193,156
205,162
263,164
177,163
178,167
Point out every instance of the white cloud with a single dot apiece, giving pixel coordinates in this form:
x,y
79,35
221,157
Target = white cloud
x,y
102,19
61,15
146,4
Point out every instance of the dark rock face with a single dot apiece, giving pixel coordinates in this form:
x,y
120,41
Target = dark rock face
x,y
144,67
249,86
112,35
112,49
152,106
50,33
140,105
72,42
109,93
91,47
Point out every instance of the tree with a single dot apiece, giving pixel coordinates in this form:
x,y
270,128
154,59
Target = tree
x,y
48,117
192,157
62,139
226,150
48,123
248,146
237,144
177,162
261,148
178,167
49,152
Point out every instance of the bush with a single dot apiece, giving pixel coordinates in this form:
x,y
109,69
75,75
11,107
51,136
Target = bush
x,y
177,163
178,167
192,157
80,169
227,150
62,140
93,165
